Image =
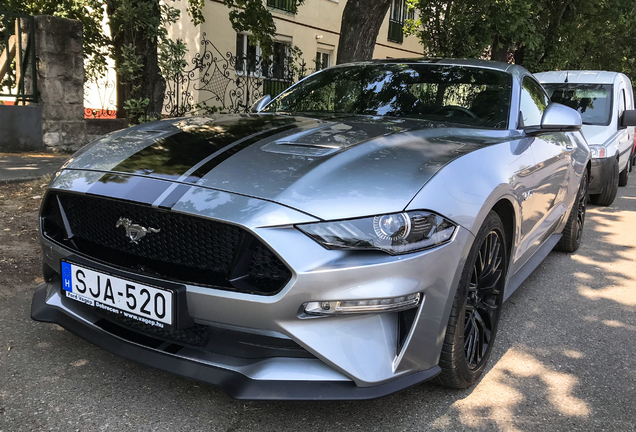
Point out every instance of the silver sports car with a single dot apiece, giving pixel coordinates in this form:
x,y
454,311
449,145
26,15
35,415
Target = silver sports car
x,y
354,236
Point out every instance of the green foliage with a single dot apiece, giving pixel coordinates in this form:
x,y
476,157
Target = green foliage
x,y
172,58
89,12
195,10
139,33
137,111
141,45
539,34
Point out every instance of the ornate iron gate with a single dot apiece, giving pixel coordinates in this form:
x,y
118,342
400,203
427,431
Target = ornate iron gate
x,y
18,77
228,82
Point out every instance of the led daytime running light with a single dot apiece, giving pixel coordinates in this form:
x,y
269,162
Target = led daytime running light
x,y
343,307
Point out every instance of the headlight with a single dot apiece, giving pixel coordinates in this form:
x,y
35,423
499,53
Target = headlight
x,y
597,151
396,233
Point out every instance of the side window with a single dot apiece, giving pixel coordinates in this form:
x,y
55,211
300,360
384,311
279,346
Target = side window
x,y
534,101
621,104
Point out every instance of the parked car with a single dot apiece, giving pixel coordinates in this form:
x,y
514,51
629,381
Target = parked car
x,y
355,237
605,101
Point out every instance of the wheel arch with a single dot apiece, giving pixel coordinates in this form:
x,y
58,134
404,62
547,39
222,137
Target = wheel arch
x,y
506,212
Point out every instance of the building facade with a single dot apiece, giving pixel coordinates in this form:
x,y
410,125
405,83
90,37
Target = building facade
x,y
227,71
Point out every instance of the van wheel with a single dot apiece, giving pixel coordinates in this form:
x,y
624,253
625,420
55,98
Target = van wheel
x,y
607,196
624,176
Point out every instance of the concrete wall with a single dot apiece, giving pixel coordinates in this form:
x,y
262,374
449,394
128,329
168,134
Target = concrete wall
x,y
20,128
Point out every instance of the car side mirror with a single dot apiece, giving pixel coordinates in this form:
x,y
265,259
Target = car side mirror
x,y
628,118
557,118
260,104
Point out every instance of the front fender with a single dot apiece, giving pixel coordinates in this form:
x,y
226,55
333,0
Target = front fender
x,y
468,188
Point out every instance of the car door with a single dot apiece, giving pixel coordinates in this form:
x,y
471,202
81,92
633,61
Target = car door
x,y
624,137
543,206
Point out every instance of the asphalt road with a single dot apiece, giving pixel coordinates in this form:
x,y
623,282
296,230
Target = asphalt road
x,y
565,360
21,166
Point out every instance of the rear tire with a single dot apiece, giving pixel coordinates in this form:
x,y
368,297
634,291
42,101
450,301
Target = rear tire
x,y
624,175
573,231
472,325
608,195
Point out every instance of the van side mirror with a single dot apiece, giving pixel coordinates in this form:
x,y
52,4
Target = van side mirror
x,y
260,104
557,118
628,118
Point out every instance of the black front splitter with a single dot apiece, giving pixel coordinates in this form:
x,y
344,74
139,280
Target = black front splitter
x,y
235,384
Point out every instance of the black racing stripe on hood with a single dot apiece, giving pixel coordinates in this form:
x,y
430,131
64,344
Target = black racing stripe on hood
x,y
175,155
142,190
209,165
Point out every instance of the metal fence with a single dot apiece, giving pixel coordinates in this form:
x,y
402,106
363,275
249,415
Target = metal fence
x,y
286,5
227,82
18,77
212,82
100,96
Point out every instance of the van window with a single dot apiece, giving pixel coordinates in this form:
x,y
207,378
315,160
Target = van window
x,y
621,104
592,101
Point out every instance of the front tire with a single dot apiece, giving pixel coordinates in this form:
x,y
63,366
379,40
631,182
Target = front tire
x,y
474,318
573,231
624,175
608,195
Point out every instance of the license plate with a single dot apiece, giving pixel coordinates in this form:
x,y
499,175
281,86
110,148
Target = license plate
x,y
147,304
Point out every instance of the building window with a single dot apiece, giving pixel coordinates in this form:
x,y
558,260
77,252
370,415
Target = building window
x,y
249,57
285,5
397,16
323,60
275,70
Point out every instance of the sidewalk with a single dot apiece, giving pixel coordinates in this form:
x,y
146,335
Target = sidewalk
x,y
28,166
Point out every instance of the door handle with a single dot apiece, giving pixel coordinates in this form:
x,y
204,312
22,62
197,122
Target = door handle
x,y
569,147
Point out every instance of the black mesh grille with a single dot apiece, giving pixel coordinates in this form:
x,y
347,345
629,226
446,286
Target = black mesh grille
x,y
181,248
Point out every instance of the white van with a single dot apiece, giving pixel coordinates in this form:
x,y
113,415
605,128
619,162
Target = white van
x,y
605,101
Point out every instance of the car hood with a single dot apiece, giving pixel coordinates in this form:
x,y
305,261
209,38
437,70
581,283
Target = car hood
x,y
328,167
597,135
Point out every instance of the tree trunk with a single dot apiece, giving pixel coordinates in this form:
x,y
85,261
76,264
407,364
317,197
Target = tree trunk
x,y
153,85
150,85
520,54
498,51
361,21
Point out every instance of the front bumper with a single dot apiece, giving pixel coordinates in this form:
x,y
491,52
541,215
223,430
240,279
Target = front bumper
x,y
47,307
363,356
601,171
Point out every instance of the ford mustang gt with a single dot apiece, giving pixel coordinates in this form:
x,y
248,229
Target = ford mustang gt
x,y
354,236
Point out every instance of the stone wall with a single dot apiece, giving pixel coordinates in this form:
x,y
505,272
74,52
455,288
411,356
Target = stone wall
x,y
61,86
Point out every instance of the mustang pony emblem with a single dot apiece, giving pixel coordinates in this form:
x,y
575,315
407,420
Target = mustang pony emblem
x,y
133,231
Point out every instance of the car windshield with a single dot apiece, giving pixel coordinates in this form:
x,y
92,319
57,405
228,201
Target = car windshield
x,y
592,101
457,94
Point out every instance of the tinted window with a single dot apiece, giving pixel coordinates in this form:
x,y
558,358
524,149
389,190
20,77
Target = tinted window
x,y
592,101
454,94
621,104
533,103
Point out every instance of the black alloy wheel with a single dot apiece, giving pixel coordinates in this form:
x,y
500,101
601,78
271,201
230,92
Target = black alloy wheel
x,y
474,317
573,231
580,214
483,300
